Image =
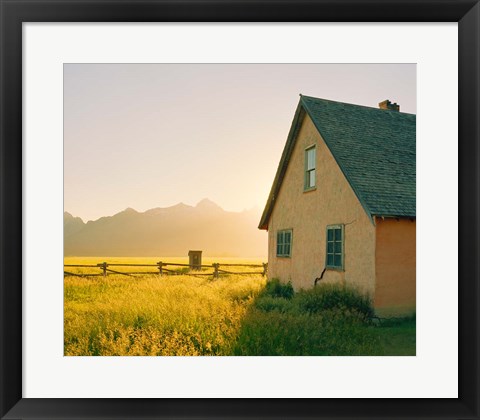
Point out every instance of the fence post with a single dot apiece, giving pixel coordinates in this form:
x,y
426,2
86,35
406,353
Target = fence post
x,y
265,266
215,273
104,267
160,268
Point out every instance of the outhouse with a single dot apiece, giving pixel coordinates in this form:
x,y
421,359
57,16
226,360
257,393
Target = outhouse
x,y
195,260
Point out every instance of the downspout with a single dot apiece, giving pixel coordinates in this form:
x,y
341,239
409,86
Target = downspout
x,y
320,278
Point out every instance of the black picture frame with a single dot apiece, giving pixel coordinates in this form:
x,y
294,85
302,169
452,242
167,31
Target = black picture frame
x,y
15,12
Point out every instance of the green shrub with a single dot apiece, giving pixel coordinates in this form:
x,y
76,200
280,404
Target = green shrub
x,y
290,334
334,299
275,289
268,304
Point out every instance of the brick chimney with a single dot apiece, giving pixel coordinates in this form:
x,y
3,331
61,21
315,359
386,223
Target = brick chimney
x,y
386,104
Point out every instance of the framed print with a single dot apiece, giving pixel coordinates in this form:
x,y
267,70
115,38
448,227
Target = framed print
x,y
152,120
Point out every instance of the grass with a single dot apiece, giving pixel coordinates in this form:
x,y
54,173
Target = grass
x,y
398,338
175,315
325,321
234,315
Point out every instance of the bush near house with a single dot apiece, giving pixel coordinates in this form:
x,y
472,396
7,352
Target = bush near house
x,y
327,320
334,297
275,289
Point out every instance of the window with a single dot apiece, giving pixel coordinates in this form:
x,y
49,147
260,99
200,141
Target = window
x,y
310,162
335,246
284,243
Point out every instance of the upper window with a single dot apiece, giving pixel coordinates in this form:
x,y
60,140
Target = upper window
x,y
335,242
310,163
284,243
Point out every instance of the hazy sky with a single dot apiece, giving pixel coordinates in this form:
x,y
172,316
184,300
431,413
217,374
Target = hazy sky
x,y
153,135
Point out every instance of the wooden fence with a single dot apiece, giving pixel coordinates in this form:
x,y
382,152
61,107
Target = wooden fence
x,y
162,270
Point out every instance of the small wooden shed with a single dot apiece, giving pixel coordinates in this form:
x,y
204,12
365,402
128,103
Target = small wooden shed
x,y
195,260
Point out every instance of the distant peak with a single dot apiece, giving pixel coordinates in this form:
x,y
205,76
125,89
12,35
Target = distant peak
x,y
179,205
207,204
68,217
129,210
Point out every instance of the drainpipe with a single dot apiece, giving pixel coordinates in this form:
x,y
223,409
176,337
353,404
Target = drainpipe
x,y
320,278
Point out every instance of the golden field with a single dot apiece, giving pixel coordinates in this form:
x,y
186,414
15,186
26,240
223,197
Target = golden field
x,y
184,315
153,315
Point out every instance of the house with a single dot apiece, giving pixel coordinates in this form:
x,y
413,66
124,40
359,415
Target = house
x,y
342,206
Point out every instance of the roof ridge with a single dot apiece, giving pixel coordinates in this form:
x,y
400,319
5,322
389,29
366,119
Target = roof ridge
x,y
350,104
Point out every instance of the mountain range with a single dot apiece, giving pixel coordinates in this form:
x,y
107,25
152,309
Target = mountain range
x,y
167,231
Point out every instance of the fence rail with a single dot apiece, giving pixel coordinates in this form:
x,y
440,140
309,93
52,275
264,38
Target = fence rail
x,y
161,270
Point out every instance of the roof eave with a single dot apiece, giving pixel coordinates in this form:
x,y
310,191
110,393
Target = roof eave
x,y
393,216
282,166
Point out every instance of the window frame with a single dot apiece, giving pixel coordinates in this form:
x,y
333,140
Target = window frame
x,y
333,228
306,172
283,255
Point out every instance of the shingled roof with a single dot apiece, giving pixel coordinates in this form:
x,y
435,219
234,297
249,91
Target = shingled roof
x,y
374,148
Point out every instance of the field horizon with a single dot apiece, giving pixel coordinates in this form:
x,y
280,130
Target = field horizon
x,y
149,260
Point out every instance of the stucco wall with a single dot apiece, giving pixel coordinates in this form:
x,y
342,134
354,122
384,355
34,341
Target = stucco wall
x,y
308,214
395,292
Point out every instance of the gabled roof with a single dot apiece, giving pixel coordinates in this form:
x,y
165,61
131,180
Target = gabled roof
x,y
374,148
